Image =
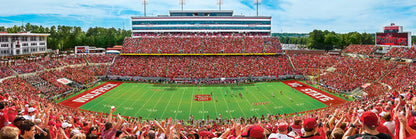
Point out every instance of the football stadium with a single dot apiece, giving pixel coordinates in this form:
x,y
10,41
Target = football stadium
x,y
207,74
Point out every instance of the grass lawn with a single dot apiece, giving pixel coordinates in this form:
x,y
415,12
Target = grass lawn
x,y
160,101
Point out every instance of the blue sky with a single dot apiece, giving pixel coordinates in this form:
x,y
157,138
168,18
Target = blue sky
x,y
300,16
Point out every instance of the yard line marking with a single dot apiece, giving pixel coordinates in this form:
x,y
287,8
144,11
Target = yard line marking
x,y
180,102
155,105
260,101
238,104
145,103
228,107
141,95
190,109
215,103
172,94
248,102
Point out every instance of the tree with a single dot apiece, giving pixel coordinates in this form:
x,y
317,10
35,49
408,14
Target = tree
x,y
3,29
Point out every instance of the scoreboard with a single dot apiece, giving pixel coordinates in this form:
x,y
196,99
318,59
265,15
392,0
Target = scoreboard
x,y
393,39
81,49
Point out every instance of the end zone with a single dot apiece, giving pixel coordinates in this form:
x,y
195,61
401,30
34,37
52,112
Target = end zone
x,y
83,98
317,94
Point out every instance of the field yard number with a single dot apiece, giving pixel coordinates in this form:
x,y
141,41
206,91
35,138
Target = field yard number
x,y
278,107
152,110
229,111
300,104
256,109
177,111
203,111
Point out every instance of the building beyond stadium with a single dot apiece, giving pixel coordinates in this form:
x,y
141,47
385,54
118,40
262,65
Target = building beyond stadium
x,y
201,21
12,44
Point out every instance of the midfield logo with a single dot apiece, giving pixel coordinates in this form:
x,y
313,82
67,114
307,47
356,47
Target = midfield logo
x,y
202,98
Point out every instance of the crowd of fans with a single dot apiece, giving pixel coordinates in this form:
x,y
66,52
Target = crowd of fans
x,y
387,116
52,77
340,81
201,66
100,70
370,69
26,67
40,84
400,77
383,114
360,49
375,89
51,63
314,64
402,52
74,59
167,44
5,71
82,74
100,58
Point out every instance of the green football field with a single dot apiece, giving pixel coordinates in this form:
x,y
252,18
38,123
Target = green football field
x,y
160,101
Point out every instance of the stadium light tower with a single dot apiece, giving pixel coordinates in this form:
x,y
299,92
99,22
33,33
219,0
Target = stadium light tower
x,y
182,2
145,2
257,2
220,2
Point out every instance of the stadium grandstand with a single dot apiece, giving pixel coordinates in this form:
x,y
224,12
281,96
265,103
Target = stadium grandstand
x,y
260,91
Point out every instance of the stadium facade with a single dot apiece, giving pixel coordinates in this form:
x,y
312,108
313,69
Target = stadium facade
x,y
201,21
12,44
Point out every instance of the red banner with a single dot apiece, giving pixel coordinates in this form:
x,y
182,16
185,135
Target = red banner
x,y
317,94
83,98
202,98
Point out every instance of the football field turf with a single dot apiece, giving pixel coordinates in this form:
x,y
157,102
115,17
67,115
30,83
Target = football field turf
x,y
177,101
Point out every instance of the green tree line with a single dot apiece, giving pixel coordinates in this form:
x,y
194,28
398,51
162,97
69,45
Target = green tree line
x,y
67,37
326,40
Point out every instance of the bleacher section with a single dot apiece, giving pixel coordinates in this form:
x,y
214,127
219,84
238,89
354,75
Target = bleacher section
x,y
360,49
187,45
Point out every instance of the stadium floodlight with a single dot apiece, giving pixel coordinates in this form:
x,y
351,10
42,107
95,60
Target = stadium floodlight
x,y
182,2
145,2
257,2
220,2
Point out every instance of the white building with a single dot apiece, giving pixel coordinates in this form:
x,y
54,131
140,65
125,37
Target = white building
x,y
201,21
12,44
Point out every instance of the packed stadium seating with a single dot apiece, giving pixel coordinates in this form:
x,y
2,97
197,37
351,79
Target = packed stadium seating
x,y
100,58
402,52
201,66
198,44
360,49
5,71
52,78
369,69
74,59
20,94
309,64
50,63
26,67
